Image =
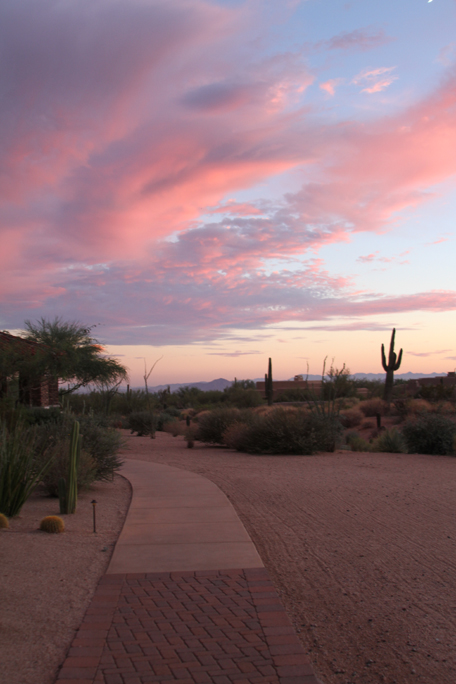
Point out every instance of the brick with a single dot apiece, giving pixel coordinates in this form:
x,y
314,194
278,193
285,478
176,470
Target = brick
x,y
81,661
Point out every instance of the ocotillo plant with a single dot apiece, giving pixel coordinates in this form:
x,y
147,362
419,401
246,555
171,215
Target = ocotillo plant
x,y
393,364
268,384
68,489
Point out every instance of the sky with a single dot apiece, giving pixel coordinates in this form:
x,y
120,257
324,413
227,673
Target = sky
x,y
214,183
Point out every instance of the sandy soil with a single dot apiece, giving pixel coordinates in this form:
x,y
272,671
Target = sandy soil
x,y
47,580
362,548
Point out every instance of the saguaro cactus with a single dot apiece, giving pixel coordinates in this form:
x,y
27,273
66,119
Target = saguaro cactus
x,y
68,490
268,384
393,364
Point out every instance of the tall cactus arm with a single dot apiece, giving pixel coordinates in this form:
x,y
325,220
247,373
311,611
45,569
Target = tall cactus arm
x,y
398,362
384,364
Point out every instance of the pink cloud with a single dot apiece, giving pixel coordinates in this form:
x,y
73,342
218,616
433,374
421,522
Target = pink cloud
x,y
375,80
330,86
114,143
437,242
234,354
234,208
358,40
426,354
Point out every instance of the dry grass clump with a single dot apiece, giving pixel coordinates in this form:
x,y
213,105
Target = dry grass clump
x,y
175,428
371,407
416,406
347,403
368,424
351,417
446,408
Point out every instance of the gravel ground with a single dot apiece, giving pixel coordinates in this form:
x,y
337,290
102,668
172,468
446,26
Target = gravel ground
x,y
361,547
47,580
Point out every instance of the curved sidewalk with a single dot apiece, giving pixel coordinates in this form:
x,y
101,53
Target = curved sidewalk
x,y
179,521
186,598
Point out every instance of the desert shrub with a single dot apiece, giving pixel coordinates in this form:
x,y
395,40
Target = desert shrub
x,y
358,443
100,447
347,403
284,432
368,424
438,392
293,395
445,408
370,407
351,417
213,424
142,422
42,416
175,428
20,471
430,433
166,417
411,407
390,441
103,444
59,452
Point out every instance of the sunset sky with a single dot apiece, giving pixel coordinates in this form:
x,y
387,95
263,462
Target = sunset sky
x,y
223,181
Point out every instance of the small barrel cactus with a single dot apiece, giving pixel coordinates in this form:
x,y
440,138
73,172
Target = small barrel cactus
x,y
4,524
52,524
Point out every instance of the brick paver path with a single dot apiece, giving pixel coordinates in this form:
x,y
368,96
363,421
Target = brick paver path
x,y
225,627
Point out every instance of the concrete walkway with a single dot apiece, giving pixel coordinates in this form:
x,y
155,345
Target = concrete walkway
x,y
179,521
186,598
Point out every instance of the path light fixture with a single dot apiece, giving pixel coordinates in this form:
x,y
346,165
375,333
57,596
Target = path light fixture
x,y
94,506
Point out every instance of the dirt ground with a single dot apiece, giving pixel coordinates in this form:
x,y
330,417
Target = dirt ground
x,y
361,546
47,580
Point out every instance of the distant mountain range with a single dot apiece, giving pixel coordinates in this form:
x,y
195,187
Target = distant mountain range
x,y
221,383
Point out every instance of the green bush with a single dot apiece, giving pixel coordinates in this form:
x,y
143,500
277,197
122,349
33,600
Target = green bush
x,y
212,425
60,459
291,395
430,433
370,407
142,422
390,441
351,417
20,471
103,445
99,456
438,392
285,432
42,416
357,443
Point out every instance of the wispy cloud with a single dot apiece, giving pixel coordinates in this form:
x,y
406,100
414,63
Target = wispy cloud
x,y
447,54
359,40
331,85
427,354
375,80
126,133
374,257
234,354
